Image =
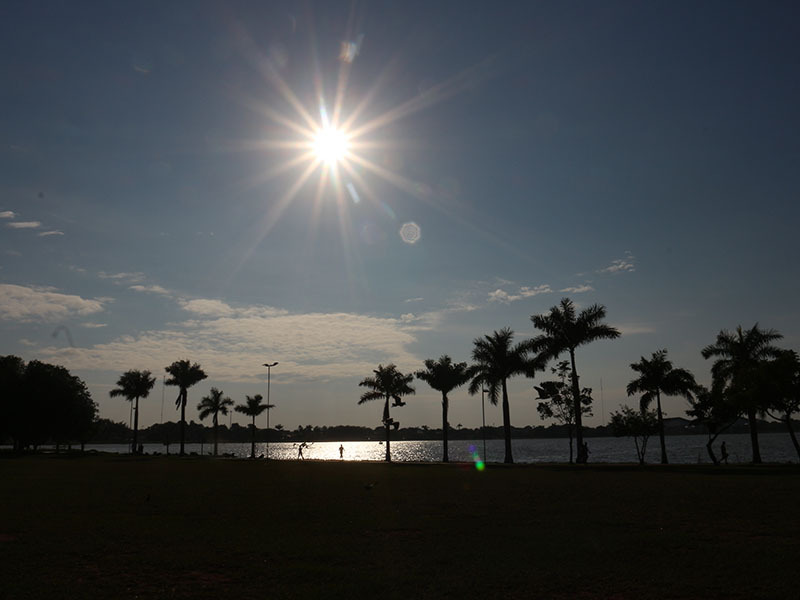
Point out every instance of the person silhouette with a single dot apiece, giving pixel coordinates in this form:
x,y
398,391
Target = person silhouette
x,y
724,450
341,451
585,452
300,450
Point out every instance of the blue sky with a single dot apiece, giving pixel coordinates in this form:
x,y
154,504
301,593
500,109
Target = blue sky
x,y
643,156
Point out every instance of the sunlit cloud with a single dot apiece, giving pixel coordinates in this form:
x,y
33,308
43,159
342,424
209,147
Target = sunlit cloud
x,y
578,289
24,224
620,265
150,289
28,304
312,346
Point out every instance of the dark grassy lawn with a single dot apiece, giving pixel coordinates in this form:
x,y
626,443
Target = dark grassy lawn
x,y
123,527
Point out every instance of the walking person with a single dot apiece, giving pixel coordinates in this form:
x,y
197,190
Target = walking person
x,y
724,450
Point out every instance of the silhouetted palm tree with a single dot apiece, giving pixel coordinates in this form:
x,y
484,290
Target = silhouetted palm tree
x,y
496,360
253,408
388,383
444,376
565,331
184,375
132,386
214,404
657,376
783,385
740,357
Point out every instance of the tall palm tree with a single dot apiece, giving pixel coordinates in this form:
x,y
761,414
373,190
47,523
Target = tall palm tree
x,y
388,383
564,330
132,386
444,376
184,375
253,408
657,376
740,357
496,360
214,404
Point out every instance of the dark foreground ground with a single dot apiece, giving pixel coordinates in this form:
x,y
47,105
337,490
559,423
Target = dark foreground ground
x,y
159,527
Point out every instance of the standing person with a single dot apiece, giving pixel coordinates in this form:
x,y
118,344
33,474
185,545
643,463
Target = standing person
x,y
585,452
300,451
724,450
341,451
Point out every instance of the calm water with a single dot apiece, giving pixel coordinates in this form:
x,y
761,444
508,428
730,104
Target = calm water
x,y
687,449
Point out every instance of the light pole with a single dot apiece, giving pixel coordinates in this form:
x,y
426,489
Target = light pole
x,y
269,371
483,414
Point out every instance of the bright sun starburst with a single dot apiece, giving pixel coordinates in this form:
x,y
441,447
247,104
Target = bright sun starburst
x,y
330,145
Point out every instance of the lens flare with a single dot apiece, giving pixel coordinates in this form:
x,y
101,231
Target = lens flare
x,y
410,232
479,464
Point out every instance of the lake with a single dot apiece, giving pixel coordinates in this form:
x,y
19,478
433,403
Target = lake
x,y
681,449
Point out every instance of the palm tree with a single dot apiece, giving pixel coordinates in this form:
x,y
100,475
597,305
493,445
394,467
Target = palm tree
x,y
388,383
496,360
253,408
740,357
132,386
214,404
565,331
657,376
184,375
444,376
783,383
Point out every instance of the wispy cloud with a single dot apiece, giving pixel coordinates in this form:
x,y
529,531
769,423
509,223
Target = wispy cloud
x,y
413,300
150,289
231,342
24,224
621,264
53,232
504,297
29,304
7,214
578,289
136,277
93,325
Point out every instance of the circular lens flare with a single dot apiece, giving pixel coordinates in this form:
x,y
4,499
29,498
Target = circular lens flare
x,y
330,145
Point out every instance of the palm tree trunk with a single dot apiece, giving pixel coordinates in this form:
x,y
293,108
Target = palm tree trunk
x,y
792,435
576,396
215,434
507,425
445,457
664,460
136,427
253,441
183,418
751,418
387,426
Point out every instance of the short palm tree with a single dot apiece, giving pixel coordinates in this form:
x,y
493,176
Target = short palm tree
x,y
496,360
563,331
657,376
132,386
387,384
253,408
214,404
444,376
184,375
740,357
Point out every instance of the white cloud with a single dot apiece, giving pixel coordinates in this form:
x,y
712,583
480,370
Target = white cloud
x,y
7,214
232,346
579,289
24,224
151,289
413,300
524,292
27,304
122,277
93,325
620,265
53,232
502,296
527,292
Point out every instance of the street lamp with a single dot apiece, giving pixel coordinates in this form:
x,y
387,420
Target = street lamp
x,y
269,406
483,414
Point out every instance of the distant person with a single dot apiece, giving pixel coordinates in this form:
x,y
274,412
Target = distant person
x,y
585,452
140,449
341,451
300,450
724,450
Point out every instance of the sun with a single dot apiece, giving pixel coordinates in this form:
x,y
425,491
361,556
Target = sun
x,y
330,145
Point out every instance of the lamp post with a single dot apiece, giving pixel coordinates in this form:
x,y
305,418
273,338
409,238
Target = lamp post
x,y
483,414
269,371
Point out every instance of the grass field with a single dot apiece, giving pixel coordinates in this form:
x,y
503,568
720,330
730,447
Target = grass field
x,y
161,527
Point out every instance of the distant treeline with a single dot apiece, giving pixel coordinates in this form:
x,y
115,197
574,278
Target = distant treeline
x,y
107,431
